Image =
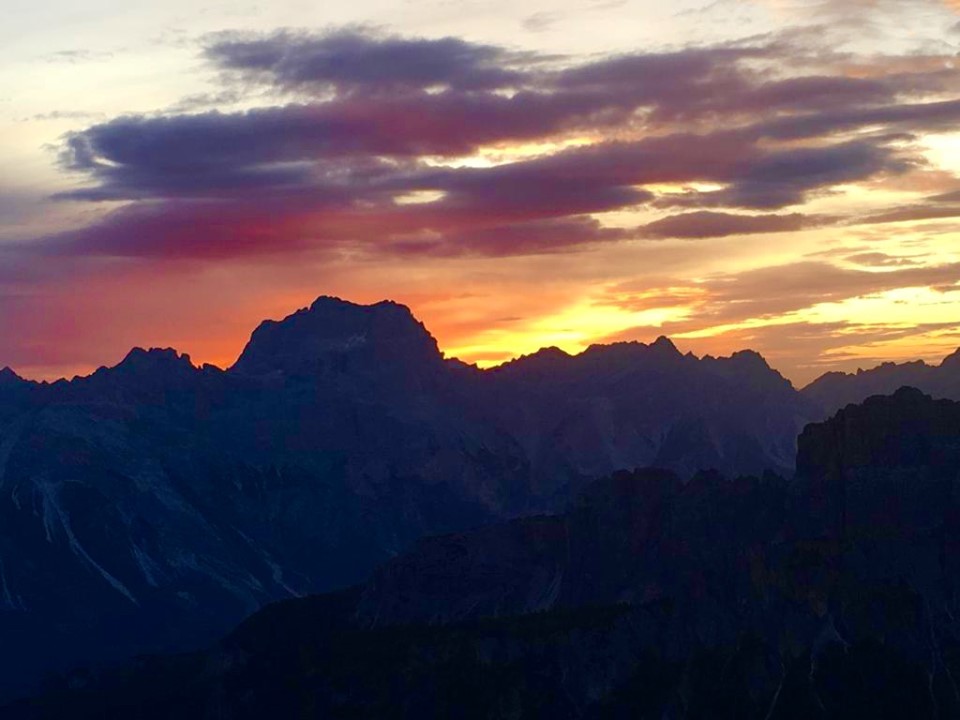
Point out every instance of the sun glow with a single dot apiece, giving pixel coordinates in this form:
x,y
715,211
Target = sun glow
x,y
506,153
572,330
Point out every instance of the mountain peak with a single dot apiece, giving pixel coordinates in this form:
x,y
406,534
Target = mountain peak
x,y
952,360
665,345
154,358
385,332
9,377
751,358
7,374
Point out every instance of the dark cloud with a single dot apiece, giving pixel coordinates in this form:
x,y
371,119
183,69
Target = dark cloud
x,y
783,178
948,197
772,179
176,230
706,224
777,290
879,259
362,61
913,213
525,238
376,111
929,116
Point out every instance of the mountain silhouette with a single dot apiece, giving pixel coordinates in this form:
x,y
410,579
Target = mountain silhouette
x,y
834,390
152,505
830,595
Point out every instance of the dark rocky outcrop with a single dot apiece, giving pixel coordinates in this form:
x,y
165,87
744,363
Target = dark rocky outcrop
x,y
832,595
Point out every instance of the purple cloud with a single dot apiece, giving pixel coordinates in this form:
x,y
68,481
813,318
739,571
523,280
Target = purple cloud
x,y
375,111
706,224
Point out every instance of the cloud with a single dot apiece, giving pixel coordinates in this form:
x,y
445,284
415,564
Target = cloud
x,y
706,224
763,309
177,230
357,61
929,116
774,291
541,21
376,111
172,162
879,259
524,238
405,99
913,213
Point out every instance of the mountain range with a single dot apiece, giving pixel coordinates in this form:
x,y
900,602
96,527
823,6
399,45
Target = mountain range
x,y
830,595
834,390
153,505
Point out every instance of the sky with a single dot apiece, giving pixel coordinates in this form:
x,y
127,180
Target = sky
x,y
780,175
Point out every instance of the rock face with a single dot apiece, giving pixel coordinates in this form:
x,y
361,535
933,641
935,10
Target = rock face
x,y
905,432
834,390
381,342
632,405
152,505
650,597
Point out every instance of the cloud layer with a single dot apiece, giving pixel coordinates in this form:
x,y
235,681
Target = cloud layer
x,y
373,119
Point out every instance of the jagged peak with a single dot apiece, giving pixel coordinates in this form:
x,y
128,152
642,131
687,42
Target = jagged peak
x,y
751,357
665,345
547,352
628,345
332,302
544,356
661,346
8,376
155,357
952,360
333,326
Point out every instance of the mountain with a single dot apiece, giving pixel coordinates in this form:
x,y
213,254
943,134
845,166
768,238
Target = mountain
x,y
834,390
833,595
152,505
634,405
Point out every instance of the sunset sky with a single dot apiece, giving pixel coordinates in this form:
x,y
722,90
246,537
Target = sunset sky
x,y
782,175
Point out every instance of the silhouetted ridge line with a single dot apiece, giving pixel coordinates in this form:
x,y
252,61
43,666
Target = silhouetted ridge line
x,y
835,390
168,501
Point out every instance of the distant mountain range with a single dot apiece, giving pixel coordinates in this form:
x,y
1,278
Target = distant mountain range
x,y
832,595
151,506
834,390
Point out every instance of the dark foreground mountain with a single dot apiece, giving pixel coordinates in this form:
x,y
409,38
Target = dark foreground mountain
x,y
834,390
830,596
153,505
